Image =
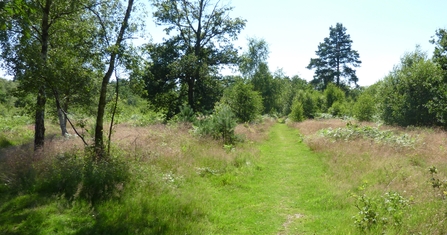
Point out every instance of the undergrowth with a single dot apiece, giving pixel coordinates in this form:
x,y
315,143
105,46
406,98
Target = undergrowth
x,y
354,131
15,130
405,193
154,182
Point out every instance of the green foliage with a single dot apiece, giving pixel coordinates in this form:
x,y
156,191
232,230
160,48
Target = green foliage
x,y
61,175
219,125
146,118
15,130
268,86
297,114
410,93
437,183
352,131
102,179
334,57
245,103
71,174
365,107
257,54
7,98
338,109
201,40
186,114
309,101
288,88
335,96
380,214
440,42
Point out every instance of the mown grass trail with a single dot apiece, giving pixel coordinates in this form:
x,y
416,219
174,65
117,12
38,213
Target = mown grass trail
x,y
287,193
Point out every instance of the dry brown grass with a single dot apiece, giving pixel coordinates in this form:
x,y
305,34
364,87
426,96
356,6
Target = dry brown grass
x,y
168,148
175,148
385,167
255,132
311,126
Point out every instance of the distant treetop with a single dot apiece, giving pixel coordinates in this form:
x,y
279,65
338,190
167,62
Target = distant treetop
x,y
335,60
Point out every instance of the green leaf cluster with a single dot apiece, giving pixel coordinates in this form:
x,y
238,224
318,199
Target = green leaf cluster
x,y
411,92
219,125
244,102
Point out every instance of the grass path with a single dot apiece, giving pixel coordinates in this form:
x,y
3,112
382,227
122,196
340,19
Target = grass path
x,y
287,193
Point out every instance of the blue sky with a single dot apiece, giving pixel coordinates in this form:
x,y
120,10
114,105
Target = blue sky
x,y
381,30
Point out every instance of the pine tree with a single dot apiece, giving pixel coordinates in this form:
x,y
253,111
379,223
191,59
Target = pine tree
x,y
335,58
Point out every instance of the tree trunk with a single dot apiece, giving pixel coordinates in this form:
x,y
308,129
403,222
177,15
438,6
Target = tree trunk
x,y
60,115
65,108
39,127
191,84
99,129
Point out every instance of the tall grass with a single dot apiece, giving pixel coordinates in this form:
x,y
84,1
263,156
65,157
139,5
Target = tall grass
x,y
362,166
15,130
156,182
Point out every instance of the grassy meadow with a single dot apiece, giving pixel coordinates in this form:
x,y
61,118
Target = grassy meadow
x,y
325,176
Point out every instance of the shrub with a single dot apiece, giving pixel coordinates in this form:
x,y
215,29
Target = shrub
x,y
244,102
297,114
220,125
72,174
333,94
365,107
60,175
186,114
309,101
338,109
380,213
409,94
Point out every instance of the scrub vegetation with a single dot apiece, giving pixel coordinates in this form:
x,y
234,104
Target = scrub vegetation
x,y
100,136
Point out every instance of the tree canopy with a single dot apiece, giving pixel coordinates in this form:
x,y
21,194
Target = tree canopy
x,y
336,59
202,32
440,52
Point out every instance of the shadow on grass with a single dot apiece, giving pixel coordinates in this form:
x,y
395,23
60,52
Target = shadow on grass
x,y
36,214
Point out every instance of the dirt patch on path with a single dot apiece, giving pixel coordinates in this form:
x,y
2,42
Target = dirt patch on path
x,y
290,219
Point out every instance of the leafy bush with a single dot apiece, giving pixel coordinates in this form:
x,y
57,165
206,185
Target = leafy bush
x,y
333,94
380,213
338,109
437,183
186,114
365,107
412,91
60,175
219,125
245,103
297,114
14,130
309,101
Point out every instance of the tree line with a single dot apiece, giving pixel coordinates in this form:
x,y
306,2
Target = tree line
x,y
64,54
